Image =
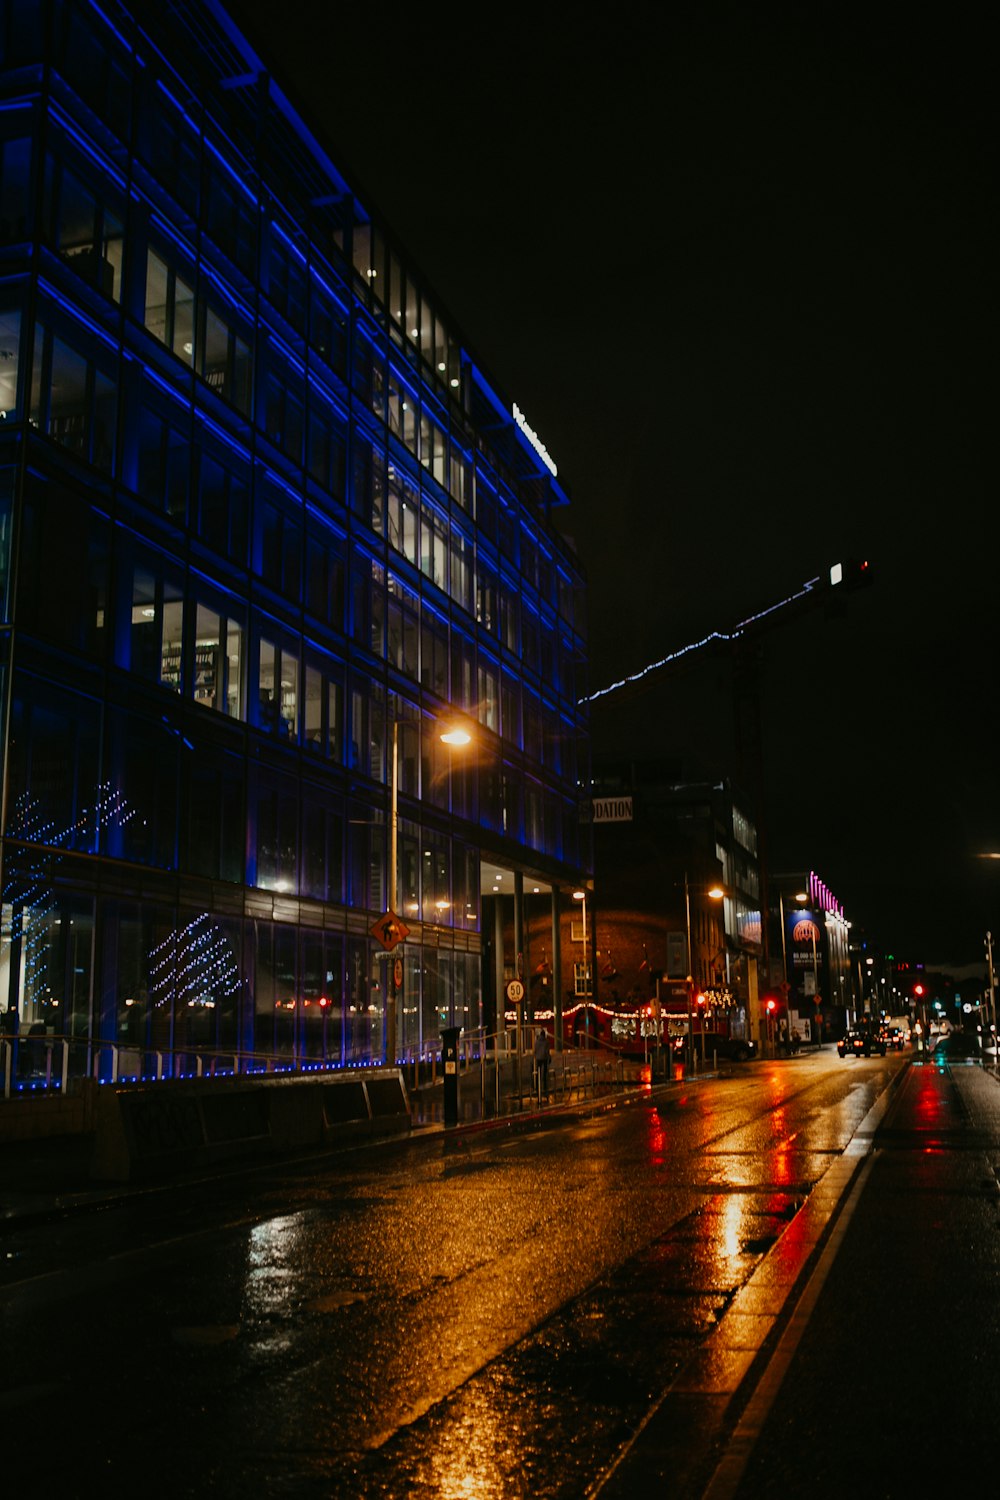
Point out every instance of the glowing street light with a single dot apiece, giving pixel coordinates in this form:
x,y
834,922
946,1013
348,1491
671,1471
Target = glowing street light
x,y
456,735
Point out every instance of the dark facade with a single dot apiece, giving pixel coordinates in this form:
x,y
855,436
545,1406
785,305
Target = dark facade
x,y
661,844
262,517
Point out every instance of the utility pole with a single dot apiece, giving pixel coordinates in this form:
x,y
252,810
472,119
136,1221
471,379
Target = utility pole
x,y
993,996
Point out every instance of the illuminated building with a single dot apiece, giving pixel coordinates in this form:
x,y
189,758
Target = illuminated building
x,y
260,506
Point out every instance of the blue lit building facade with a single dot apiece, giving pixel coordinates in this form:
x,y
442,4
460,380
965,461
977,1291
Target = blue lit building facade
x,y
261,513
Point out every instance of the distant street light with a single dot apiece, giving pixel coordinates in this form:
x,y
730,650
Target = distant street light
x,y
454,736
716,892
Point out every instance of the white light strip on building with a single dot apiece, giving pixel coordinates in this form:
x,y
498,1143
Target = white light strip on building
x,y
534,440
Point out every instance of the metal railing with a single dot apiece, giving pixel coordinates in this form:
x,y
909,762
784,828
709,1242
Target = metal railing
x,y
45,1065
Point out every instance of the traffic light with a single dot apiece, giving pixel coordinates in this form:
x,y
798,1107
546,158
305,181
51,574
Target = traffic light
x,y
918,990
772,1006
701,1000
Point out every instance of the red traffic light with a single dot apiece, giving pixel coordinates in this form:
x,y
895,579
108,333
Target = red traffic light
x,y
701,999
772,1006
918,989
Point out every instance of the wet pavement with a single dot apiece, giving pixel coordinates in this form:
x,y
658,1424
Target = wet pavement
x,y
861,1306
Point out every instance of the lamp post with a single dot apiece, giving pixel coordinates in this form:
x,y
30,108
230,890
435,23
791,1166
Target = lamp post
x,y
716,892
453,736
581,896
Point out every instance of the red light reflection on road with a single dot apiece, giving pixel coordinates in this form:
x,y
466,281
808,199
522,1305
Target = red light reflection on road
x,y
657,1138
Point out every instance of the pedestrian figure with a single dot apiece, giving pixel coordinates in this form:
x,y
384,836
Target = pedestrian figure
x,y
542,1056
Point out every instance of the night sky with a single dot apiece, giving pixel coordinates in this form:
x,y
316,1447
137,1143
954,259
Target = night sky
x,y
740,277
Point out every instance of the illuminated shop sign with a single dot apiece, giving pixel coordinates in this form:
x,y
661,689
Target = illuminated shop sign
x,y
534,440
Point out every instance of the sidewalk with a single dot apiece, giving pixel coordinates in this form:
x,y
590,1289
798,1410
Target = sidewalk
x,y
50,1175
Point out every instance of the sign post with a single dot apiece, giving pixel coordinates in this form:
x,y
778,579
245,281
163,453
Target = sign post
x,y
388,931
515,994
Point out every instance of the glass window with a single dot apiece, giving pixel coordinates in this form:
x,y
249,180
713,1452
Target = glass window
x,y
224,360
402,514
326,455
218,661
89,235
231,216
488,705
15,190
274,831
223,504
287,280
64,568
328,324
322,713
169,309
10,360
322,846
163,454
213,833
278,540
54,796
434,652
74,395
434,546
278,690
325,577
284,407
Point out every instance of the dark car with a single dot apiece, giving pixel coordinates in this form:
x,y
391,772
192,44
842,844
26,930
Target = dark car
x,y
894,1038
861,1044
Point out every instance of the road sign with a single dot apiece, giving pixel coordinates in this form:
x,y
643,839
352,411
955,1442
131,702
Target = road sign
x,y
515,991
389,930
397,973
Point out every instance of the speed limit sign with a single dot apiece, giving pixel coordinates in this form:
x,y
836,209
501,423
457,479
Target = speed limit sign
x,y
515,991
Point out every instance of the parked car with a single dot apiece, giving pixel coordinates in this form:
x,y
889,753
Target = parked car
x,y
858,1043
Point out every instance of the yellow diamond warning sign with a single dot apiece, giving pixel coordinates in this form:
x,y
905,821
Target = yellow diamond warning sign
x,y
389,930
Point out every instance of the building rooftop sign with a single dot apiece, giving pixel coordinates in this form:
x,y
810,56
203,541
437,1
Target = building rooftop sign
x,y
534,440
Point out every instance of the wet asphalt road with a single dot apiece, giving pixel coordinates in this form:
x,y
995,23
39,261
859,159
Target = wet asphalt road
x,y
492,1314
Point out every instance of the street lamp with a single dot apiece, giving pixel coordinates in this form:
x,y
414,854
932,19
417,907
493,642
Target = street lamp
x,y
716,892
454,736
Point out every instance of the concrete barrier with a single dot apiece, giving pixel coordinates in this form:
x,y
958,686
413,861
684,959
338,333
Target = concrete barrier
x,y
154,1131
